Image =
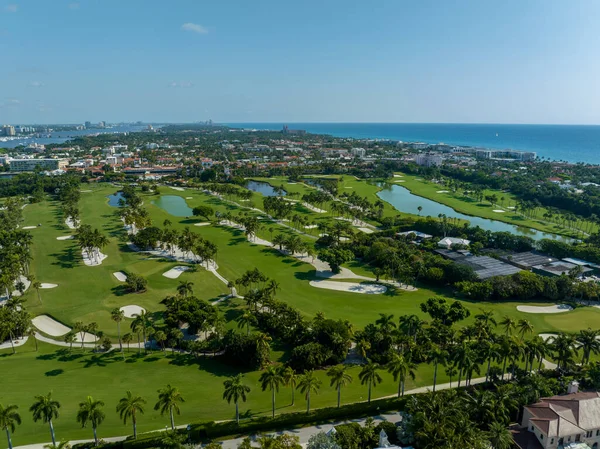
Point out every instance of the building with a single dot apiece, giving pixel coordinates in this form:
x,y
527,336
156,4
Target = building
x,y
22,165
527,260
449,242
561,267
286,130
358,152
483,153
88,125
566,421
428,159
8,130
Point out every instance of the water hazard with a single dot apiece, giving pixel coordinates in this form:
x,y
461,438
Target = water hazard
x,y
174,205
265,189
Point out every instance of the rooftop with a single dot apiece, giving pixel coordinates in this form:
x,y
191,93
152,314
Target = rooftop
x,y
528,259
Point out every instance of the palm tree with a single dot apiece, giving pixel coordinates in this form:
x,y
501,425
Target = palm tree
x,y
9,420
437,356
308,383
129,407
246,320
270,379
370,375
90,411
185,288
525,327
70,338
235,390
127,339
499,436
46,409
400,367
168,401
290,379
339,378
508,324
588,342
37,285
117,315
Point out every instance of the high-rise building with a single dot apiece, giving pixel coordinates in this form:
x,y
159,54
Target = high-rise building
x,y
88,124
102,124
8,130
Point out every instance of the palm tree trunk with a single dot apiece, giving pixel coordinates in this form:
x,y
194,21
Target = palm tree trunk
x,y
370,383
134,428
435,367
308,402
399,386
119,332
487,373
459,377
52,433
9,440
273,401
172,419
504,368
237,413
95,436
293,395
402,387
339,395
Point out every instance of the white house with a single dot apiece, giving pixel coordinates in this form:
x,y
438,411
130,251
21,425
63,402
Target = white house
x,y
449,242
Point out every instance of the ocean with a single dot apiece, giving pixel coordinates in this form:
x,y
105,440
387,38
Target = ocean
x,y
573,143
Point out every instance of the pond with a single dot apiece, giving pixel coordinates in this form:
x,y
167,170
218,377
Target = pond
x,y
113,200
403,200
264,188
174,205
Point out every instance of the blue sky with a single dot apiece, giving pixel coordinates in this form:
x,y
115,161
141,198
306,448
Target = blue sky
x,y
511,61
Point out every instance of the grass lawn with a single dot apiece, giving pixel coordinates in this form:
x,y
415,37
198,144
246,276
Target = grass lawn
x,y
470,206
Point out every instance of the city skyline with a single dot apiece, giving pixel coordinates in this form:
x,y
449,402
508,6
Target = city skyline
x,y
339,62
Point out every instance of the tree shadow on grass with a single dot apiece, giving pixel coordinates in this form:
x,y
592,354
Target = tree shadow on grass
x,y
99,360
68,258
119,290
54,372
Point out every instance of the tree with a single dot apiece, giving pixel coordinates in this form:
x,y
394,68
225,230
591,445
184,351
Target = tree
x,y
322,441
45,409
508,324
37,285
117,315
290,379
70,338
203,211
271,379
135,283
369,375
168,401
9,420
246,320
129,407
335,257
90,411
525,327
499,436
339,378
60,445
234,391
437,356
308,383
400,367
588,343
185,288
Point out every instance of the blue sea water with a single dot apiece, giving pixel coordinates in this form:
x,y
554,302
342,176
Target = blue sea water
x,y
573,143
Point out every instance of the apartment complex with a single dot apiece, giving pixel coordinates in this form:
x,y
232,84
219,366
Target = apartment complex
x,y
23,165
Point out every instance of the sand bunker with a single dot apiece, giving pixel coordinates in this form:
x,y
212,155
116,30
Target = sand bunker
x,y
398,176
189,197
442,191
547,337
132,311
314,209
45,285
560,308
65,237
29,227
259,241
311,227
499,211
179,189
204,223
49,326
510,207
85,191
175,272
348,187
94,260
120,276
352,287
366,230
399,180
69,222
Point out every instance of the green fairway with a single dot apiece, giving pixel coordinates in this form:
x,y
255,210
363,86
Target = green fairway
x,y
470,206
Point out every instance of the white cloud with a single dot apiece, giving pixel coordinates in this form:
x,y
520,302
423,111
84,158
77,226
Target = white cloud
x,y
11,8
194,28
184,84
10,102
36,84
74,5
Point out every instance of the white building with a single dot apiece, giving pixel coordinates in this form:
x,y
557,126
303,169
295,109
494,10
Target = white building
x,y
358,152
428,159
22,165
449,242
